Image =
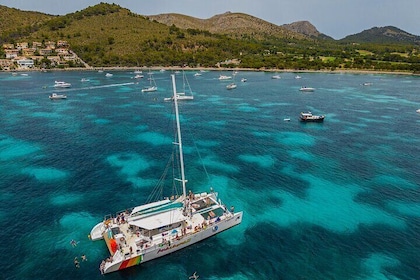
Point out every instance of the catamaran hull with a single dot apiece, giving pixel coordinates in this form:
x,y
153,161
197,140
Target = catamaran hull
x,y
157,252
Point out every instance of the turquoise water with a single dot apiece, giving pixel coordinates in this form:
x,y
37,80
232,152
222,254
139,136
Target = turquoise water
x,y
332,200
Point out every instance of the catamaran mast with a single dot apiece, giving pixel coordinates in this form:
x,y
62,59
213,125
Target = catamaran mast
x,y
178,127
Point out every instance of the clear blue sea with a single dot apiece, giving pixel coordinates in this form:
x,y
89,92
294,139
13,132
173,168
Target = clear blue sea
x,y
332,200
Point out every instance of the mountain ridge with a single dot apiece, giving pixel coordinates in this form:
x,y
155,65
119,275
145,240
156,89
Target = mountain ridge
x,y
228,23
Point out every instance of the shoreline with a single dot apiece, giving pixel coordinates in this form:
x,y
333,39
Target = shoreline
x,y
177,68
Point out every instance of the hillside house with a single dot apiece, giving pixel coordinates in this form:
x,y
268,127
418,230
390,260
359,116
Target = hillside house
x,y
36,45
50,45
22,45
12,54
46,51
25,63
28,51
8,46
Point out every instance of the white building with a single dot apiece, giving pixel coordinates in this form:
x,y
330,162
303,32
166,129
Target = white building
x,y
25,63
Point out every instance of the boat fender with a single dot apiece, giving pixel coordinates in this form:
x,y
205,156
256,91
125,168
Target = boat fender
x,y
215,228
122,239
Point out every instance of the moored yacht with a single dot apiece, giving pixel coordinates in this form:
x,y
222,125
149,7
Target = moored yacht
x,y
61,84
308,117
158,228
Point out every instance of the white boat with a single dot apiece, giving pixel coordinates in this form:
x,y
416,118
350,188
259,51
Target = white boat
x,y
418,110
55,96
231,86
186,94
138,76
367,84
307,89
152,87
276,77
84,80
244,80
61,84
224,77
309,117
158,228
109,75
298,77
197,74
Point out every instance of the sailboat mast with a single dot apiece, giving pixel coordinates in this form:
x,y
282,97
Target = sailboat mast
x,y
178,127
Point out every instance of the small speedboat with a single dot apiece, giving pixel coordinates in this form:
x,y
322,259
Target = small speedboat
x,y
61,84
224,77
243,80
231,86
307,89
55,96
276,77
418,110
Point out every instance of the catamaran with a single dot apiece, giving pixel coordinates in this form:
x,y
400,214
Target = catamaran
x,y
186,94
158,228
152,87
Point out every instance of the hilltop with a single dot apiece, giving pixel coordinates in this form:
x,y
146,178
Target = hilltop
x,y
383,35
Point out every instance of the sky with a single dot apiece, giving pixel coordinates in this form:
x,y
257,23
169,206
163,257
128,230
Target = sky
x,y
335,18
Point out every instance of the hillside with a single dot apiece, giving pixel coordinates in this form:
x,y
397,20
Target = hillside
x,y
383,35
15,23
234,24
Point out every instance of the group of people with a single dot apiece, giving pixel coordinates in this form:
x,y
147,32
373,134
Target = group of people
x,y
76,261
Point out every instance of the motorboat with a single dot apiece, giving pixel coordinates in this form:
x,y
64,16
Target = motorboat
x,y
231,86
149,89
109,75
61,84
307,89
55,96
224,77
308,117
244,80
276,77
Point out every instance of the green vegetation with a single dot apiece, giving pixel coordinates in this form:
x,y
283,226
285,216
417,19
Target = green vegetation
x,y
108,35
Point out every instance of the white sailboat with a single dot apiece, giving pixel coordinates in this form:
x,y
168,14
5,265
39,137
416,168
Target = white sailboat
x,y
152,87
186,94
155,229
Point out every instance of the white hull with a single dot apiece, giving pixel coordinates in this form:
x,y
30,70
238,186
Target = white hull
x,y
149,89
180,97
139,256
307,89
